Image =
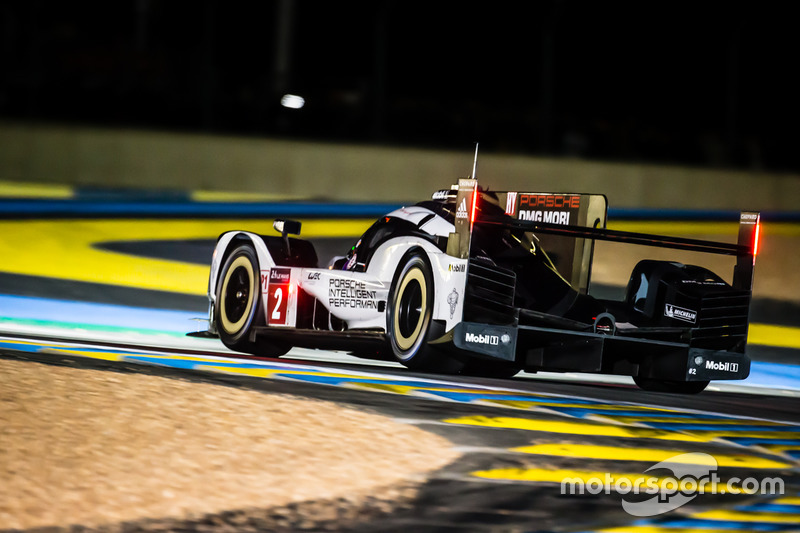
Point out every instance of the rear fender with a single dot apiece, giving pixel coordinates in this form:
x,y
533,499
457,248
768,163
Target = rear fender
x,y
449,274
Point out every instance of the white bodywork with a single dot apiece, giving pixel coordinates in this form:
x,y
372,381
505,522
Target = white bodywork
x,y
359,299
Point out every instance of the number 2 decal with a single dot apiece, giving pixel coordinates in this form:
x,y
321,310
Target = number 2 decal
x,y
276,311
278,296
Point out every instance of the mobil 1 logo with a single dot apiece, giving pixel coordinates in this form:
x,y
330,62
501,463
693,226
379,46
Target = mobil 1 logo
x,y
499,342
717,366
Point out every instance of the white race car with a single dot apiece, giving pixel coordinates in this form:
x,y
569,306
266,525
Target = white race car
x,y
462,283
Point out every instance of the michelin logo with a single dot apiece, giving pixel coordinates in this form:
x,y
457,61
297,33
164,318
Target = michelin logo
x,y
679,313
452,300
725,367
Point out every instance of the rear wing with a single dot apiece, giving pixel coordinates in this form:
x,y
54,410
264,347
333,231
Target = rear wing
x,y
582,218
572,257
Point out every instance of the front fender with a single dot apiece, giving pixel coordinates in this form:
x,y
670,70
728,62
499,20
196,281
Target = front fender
x,y
226,243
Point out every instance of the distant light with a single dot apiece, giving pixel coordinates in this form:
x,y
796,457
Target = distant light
x,y
292,101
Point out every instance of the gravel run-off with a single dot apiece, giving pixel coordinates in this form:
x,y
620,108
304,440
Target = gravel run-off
x,y
94,448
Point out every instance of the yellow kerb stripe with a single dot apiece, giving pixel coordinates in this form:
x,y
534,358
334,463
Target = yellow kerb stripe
x,y
649,455
777,336
576,428
630,480
748,516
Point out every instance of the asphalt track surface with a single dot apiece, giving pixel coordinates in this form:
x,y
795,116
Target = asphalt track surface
x,y
520,437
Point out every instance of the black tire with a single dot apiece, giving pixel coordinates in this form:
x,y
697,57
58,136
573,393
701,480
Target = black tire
x,y
662,385
408,318
489,369
238,307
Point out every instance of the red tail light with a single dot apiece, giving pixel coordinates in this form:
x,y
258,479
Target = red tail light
x,y
757,238
474,204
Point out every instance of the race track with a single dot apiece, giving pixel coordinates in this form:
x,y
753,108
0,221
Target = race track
x,y
119,295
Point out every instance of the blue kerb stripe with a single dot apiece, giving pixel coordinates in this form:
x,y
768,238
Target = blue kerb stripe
x,y
475,396
184,363
774,375
418,385
21,347
173,206
750,441
469,396
581,411
95,314
424,387
716,427
200,209
171,363
698,523
771,508
693,523
35,348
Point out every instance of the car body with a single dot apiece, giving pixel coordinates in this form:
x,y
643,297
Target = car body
x,y
489,283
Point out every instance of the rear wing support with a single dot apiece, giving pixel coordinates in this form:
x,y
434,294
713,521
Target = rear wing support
x,y
459,242
749,236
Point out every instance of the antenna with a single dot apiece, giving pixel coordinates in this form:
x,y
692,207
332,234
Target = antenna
x,y
475,163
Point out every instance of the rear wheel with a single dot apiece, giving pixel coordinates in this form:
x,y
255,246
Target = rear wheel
x,y
408,318
662,385
238,309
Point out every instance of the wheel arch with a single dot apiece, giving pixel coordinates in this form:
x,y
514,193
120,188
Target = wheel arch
x,y
388,255
226,244
387,259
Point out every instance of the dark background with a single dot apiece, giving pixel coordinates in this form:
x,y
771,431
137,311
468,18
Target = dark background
x,y
700,83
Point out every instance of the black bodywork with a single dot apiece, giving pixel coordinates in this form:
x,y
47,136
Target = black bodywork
x,y
676,324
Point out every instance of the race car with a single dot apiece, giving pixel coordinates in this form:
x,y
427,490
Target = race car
x,y
489,283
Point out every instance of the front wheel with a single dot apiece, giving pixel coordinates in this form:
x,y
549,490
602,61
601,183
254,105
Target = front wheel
x,y
408,318
662,385
238,309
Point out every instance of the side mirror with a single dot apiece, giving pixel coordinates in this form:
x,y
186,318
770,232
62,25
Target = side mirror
x,y
287,227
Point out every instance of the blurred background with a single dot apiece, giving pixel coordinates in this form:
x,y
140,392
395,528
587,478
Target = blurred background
x,y
701,85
